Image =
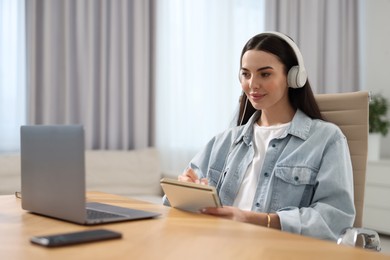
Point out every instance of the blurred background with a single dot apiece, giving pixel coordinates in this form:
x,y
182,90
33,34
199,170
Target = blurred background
x,y
165,73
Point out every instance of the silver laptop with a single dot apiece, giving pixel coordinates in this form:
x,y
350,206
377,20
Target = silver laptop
x,y
53,177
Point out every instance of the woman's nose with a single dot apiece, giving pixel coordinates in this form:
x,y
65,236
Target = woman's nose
x,y
253,84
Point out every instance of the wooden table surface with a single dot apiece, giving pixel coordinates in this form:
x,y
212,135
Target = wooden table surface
x,y
174,235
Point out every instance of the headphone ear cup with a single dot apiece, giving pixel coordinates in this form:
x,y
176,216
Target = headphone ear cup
x,y
296,78
292,77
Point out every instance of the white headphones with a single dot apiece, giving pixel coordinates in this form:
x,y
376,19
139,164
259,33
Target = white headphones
x,y
296,76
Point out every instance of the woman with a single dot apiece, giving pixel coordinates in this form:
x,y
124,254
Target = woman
x,y
283,166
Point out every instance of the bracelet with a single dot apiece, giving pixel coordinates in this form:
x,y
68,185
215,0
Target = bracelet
x,y
268,220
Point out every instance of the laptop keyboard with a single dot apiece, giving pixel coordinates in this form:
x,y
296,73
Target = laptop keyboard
x,y
95,214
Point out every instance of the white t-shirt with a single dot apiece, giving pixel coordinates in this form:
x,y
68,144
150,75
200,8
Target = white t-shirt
x,y
262,136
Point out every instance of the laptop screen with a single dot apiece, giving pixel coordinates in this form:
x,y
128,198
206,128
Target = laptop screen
x,y
53,170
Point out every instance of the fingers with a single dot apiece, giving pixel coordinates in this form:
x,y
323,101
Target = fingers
x,y
204,181
222,212
189,175
228,213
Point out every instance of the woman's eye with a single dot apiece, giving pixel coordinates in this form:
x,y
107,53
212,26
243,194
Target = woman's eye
x,y
265,74
245,74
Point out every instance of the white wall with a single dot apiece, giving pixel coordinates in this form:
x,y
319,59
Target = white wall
x,y
376,48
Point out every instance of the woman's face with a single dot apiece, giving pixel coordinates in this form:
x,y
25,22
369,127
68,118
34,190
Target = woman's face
x,y
264,81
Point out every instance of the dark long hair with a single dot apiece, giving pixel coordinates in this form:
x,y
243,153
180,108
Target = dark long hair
x,y
300,98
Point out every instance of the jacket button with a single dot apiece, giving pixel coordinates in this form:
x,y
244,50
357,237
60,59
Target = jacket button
x,y
257,204
296,178
266,174
273,145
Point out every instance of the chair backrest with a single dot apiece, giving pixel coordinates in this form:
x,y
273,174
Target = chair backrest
x,y
350,112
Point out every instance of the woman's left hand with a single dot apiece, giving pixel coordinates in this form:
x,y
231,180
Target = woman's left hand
x,y
257,218
227,212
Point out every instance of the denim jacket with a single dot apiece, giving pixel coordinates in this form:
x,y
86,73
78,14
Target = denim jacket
x,y
306,177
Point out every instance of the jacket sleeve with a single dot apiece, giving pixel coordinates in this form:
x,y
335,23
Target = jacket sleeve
x,y
332,208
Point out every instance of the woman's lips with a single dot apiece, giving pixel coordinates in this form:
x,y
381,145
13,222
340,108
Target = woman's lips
x,y
256,96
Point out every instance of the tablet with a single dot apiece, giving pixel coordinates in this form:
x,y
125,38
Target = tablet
x,y
190,196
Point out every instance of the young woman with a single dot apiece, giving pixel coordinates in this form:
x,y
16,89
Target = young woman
x,y
282,166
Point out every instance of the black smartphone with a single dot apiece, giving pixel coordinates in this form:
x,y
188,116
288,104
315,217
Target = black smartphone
x,y
75,237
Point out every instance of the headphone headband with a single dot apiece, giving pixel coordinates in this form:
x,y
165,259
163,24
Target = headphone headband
x,y
297,75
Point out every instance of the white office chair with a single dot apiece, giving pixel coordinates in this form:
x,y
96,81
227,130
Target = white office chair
x,y
350,112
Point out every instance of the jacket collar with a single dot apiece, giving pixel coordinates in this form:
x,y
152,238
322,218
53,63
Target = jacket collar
x,y
300,127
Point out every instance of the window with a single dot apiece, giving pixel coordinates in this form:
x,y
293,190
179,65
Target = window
x,y
197,51
12,73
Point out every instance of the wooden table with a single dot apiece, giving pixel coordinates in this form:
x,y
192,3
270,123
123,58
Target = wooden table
x,y
174,235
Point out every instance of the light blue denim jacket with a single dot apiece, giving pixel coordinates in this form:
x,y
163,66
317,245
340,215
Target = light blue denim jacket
x,y
306,177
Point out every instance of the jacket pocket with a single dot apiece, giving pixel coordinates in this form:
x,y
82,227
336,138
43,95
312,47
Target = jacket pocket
x,y
296,175
293,187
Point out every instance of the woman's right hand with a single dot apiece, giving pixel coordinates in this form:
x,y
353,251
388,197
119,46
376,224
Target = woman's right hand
x,y
189,175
